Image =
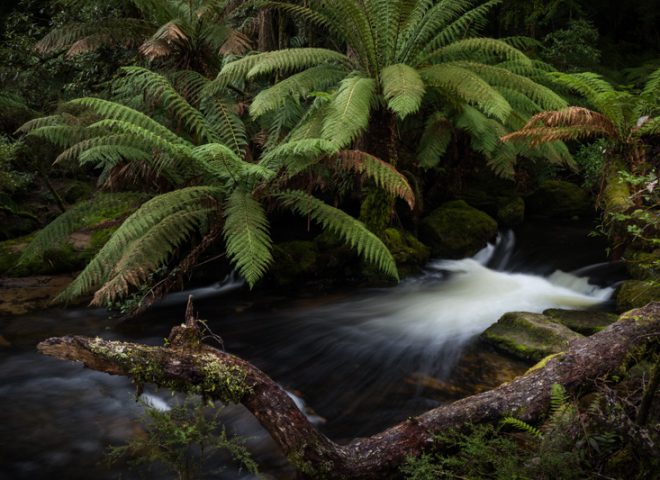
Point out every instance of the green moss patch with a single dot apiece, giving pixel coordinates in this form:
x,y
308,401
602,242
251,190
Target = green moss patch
x,y
585,322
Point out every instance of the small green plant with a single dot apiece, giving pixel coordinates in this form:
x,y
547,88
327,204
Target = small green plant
x,y
185,440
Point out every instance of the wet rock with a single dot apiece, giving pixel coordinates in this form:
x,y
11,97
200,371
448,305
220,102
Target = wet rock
x,y
586,322
636,293
408,252
457,230
529,336
559,199
22,295
643,265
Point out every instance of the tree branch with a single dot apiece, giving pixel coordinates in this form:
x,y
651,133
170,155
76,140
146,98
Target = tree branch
x,y
187,365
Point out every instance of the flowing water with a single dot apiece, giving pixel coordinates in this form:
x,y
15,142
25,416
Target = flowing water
x,y
361,360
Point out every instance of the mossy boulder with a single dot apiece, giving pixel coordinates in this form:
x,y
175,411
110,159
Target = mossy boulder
x,y
636,293
529,336
408,252
73,252
585,322
457,230
643,265
294,260
510,211
559,199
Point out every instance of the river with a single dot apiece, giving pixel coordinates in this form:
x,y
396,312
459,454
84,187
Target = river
x,y
362,360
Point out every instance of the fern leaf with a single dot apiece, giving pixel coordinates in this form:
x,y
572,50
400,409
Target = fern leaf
x,y
57,232
522,426
403,89
247,236
348,115
352,231
469,87
297,86
101,268
297,155
434,141
382,173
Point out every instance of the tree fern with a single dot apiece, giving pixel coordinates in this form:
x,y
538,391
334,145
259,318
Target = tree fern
x,y
434,140
247,236
352,231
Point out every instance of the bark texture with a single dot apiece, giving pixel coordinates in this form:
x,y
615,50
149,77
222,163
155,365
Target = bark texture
x,y
186,364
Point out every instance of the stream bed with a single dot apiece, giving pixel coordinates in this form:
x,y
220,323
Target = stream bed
x,y
362,360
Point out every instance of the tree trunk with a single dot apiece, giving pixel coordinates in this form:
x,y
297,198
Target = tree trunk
x,y
186,365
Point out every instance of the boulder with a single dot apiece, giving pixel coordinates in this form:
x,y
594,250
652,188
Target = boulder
x,y
529,336
559,199
511,211
636,293
408,252
457,230
586,322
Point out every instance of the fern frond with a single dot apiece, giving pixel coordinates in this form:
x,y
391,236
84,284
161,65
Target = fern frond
x,y
146,254
469,87
116,111
522,426
558,398
434,141
297,155
482,48
352,231
349,112
226,124
403,89
382,173
247,236
159,90
222,164
57,232
101,268
297,86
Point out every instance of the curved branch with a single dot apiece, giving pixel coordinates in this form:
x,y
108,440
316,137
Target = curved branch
x,y
185,364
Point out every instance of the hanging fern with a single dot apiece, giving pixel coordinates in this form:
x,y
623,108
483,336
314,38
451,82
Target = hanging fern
x,y
522,426
352,231
247,236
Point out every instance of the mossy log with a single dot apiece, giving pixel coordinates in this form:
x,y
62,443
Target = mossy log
x,y
185,364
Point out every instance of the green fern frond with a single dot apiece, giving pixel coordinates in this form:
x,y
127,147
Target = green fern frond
x,y
297,155
101,268
146,254
483,48
469,87
349,112
247,236
558,398
116,111
382,173
434,141
297,86
47,121
352,231
403,89
292,59
57,232
157,88
522,426
311,123
226,124
222,164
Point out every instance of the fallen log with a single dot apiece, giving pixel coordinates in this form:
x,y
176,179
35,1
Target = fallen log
x,y
186,364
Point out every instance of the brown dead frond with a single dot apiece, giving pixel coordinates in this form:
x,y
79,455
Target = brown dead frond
x,y
237,43
567,124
